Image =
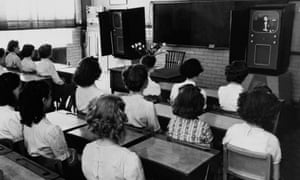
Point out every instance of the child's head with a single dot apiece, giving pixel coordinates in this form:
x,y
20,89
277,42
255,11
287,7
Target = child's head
x,y
237,71
107,118
10,86
191,68
87,72
27,50
13,46
189,103
45,51
148,61
135,77
34,100
258,107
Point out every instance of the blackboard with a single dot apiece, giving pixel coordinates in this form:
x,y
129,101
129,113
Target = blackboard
x,y
198,23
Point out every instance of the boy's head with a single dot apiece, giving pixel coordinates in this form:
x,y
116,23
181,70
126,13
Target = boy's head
x,y
27,50
237,71
135,77
191,68
259,106
189,103
148,61
13,46
107,118
45,51
10,85
87,72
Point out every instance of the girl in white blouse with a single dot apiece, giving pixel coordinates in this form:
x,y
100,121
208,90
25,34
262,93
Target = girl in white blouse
x,y
27,64
105,158
85,76
41,138
10,126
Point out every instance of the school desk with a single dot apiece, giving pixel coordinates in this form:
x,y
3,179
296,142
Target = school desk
x,y
164,159
78,138
17,167
218,121
65,120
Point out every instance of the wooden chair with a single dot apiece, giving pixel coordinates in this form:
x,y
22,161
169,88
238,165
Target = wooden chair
x,y
174,58
246,164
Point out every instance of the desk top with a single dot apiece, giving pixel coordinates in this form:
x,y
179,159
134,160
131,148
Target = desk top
x,y
65,120
68,70
131,136
12,170
166,73
59,66
178,157
214,120
17,167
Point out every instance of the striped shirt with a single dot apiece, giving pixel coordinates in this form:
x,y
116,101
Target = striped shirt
x,y
190,130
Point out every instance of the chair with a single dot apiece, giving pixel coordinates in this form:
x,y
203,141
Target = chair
x,y
174,58
246,164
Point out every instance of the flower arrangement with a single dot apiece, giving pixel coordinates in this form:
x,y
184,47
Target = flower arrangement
x,y
154,48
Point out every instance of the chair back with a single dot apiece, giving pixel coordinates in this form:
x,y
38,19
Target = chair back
x,y
246,164
174,58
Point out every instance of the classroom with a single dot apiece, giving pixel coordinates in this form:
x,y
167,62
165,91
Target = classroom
x,y
149,89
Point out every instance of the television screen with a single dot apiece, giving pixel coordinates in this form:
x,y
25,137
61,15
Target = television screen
x,y
205,24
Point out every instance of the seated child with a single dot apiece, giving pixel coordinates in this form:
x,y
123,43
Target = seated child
x,y
105,158
152,89
228,95
186,124
12,60
190,69
10,126
46,67
85,76
41,138
141,113
258,108
27,64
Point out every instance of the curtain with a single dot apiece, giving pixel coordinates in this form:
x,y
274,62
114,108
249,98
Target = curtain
x,y
35,14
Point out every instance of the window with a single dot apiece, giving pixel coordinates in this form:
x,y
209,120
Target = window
x,y
59,37
35,14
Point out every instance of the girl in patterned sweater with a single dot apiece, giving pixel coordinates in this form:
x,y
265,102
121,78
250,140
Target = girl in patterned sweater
x,y
186,124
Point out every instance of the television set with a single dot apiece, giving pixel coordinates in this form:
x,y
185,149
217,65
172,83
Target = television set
x,y
194,23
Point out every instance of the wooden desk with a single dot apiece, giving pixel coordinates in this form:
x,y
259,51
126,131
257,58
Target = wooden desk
x,y
158,75
171,75
168,158
59,66
218,121
17,167
65,120
80,137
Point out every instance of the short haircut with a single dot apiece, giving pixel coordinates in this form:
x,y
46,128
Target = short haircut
x,y
45,50
107,118
87,72
237,71
189,103
2,52
135,77
27,50
8,82
258,107
12,44
191,68
31,102
148,61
